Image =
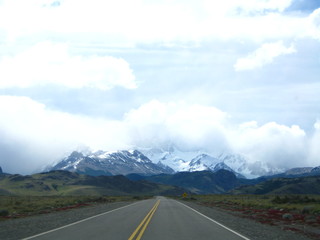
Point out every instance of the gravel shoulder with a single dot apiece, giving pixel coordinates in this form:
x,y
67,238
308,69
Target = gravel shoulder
x,y
247,227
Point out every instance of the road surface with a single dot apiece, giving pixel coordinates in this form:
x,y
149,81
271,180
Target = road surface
x,y
155,219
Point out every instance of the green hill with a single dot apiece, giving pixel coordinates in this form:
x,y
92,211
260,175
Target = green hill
x,y
66,183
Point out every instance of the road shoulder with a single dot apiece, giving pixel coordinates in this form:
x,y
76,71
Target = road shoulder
x,y
247,227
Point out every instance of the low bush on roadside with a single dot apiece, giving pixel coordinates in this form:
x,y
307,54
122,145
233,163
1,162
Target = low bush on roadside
x,y
4,213
294,199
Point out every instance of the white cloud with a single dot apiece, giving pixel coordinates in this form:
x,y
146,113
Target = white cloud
x,y
272,144
258,5
187,126
33,136
314,22
263,56
130,22
314,149
48,63
317,125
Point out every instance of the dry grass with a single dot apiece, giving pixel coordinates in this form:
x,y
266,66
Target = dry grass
x,y
21,206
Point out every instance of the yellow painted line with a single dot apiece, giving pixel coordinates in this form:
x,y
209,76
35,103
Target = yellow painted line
x,y
143,221
147,223
143,225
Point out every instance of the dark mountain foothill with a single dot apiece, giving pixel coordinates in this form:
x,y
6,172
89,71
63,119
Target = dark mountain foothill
x,y
200,182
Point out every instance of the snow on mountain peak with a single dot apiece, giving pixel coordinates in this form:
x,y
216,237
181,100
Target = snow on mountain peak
x,y
110,163
201,160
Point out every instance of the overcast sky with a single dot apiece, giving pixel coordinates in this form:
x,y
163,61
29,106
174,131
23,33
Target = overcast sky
x,y
239,76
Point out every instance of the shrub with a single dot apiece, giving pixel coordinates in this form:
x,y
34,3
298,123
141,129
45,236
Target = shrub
x,y
4,212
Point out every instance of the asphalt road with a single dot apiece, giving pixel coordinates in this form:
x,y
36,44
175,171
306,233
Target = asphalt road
x,y
158,218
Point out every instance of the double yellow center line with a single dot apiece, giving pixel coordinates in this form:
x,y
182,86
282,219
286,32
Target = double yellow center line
x,y
143,225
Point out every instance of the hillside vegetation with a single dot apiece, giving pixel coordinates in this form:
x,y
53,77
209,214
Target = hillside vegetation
x,y
302,185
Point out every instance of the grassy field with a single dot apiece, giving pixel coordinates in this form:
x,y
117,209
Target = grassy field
x,y
301,203
21,206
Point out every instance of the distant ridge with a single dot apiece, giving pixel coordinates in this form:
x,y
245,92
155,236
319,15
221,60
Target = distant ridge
x,y
296,172
298,185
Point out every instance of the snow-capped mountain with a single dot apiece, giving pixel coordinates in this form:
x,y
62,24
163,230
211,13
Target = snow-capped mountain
x,y
172,157
206,162
203,162
222,165
200,160
110,163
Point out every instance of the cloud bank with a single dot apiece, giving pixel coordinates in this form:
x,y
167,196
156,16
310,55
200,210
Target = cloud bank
x,y
189,127
34,136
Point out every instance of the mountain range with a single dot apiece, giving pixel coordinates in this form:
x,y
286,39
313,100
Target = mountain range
x,y
110,163
155,161
133,161
197,172
200,160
